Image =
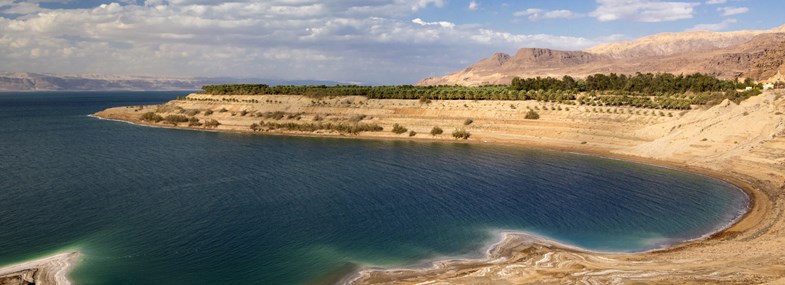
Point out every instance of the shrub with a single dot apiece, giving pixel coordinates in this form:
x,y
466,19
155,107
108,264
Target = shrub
x,y
436,131
468,122
174,119
211,123
223,110
412,133
398,129
192,112
317,118
208,112
357,118
461,134
151,117
194,122
532,115
425,100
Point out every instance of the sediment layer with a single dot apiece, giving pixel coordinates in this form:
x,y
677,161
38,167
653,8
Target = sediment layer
x,y
52,270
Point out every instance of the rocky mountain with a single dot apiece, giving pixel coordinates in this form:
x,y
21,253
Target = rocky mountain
x,y
22,81
742,54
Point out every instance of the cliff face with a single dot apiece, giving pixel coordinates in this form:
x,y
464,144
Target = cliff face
x,y
754,54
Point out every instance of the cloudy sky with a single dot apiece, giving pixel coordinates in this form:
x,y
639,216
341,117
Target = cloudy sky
x,y
367,41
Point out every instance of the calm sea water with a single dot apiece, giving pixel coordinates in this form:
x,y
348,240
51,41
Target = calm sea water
x,y
161,206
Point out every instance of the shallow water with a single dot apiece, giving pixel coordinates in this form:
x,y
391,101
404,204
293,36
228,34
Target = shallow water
x,y
148,205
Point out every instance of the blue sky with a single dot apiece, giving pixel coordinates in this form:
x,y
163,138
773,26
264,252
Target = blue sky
x,y
371,41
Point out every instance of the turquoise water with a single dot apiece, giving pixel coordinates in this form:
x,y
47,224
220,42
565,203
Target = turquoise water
x,y
162,206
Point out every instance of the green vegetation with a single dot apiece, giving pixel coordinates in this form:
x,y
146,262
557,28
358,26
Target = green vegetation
x,y
174,119
194,122
398,129
658,91
532,115
461,134
412,133
211,123
436,131
312,127
151,117
468,121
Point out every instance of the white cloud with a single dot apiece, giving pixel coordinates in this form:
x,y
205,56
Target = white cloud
x,y
714,27
473,5
348,40
442,24
730,11
715,2
538,14
643,10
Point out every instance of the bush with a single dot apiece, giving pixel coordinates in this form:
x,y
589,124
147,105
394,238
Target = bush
x,y
412,133
461,134
318,118
254,127
436,131
208,112
398,129
532,115
212,123
192,112
468,122
174,119
223,110
194,122
151,117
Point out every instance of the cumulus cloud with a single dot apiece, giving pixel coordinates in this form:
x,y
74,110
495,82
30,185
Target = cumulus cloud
x,y
643,10
714,27
538,14
715,2
348,40
730,11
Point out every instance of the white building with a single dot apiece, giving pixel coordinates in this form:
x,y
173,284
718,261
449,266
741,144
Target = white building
x,y
768,86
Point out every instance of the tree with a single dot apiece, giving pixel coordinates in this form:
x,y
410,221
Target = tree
x,y
398,129
532,115
436,131
461,134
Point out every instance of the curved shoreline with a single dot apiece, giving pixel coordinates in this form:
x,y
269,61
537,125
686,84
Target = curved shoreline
x,y
743,145
51,270
742,222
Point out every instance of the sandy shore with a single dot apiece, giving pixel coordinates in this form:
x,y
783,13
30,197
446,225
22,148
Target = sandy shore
x,y
742,144
52,270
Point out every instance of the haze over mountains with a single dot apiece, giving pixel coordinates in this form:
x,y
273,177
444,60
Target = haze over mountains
x,y
22,81
753,54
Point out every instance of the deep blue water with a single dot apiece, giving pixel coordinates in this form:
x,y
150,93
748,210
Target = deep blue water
x,y
162,206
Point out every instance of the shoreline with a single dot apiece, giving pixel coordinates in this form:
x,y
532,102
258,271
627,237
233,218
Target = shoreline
x,y
753,195
742,145
50,270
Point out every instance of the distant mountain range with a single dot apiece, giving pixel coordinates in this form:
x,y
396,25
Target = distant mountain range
x,y
758,55
23,81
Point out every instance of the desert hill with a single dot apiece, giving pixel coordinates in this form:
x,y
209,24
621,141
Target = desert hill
x,y
741,54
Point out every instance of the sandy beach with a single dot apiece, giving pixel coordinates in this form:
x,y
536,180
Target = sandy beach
x,y
742,144
49,270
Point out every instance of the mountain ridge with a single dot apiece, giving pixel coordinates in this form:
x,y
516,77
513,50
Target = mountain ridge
x,y
28,81
755,54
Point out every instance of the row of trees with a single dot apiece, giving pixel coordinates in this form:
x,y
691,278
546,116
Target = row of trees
x,y
661,90
639,83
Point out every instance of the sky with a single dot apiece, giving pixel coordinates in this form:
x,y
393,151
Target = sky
x,y
367,42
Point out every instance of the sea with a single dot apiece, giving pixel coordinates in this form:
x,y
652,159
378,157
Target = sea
x,y
164,206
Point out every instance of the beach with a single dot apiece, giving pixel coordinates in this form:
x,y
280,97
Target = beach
x,y
48,271
741,144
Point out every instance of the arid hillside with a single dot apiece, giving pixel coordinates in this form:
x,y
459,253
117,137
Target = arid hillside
x,y
742,54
